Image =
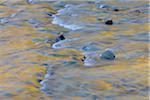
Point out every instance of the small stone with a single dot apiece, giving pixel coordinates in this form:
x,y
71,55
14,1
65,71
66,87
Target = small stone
x,y
137,11
60,37
39,80
108,55
109,22
116,9
83,59
50,13
44,64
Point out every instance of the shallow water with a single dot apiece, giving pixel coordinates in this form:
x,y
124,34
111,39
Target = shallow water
x,y
33,66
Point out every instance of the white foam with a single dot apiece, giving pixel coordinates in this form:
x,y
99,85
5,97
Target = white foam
x,y
60,22
61,44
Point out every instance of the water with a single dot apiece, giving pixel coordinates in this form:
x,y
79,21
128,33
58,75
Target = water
x,y
33,66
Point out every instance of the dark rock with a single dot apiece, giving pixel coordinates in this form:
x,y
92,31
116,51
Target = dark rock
x,y
83,59
50,13
39,80
108,55
137,11
44,64
60,37
116,9
109,22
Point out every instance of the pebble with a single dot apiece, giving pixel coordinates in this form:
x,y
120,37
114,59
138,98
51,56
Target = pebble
x,y
49,14
108,55
39,80
60,37
116,9
83,59
44,64
109,22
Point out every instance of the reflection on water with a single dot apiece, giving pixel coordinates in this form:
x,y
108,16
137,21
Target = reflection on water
x,y
33,65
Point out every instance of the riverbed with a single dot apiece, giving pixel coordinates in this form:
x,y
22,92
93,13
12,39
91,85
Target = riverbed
x,y
33,65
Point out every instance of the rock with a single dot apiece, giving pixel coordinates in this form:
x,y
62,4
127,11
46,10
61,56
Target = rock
x,y
109,22
50,13
108,55
60,37
116,9
39,80
83,59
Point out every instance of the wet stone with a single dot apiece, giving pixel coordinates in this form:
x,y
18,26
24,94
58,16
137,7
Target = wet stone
x,y
116,9
44,64
108,55
109,22
60,37
50,14
39,80
83,59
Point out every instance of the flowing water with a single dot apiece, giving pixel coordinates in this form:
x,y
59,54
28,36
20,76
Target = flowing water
x,y
33,66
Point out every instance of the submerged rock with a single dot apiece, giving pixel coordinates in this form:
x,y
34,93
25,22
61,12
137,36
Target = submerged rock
x,y
108,55
116,9
60,37
109,22
83,59
39,80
